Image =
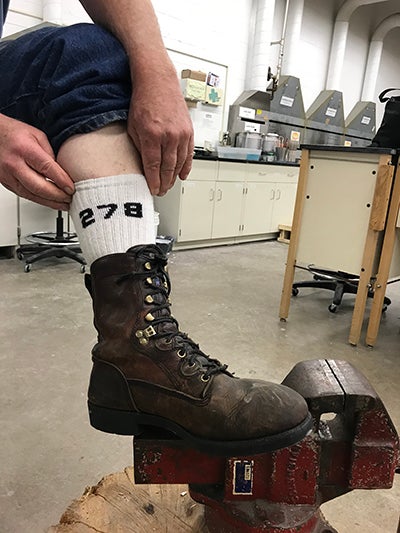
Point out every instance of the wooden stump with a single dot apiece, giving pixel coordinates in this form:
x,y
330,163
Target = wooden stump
x,y
117,505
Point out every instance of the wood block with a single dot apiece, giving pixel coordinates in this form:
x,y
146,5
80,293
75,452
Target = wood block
x,y
117,505
284,233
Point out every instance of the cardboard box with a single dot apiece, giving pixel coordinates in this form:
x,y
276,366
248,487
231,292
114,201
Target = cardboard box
x,y
193,89
193,74
213,79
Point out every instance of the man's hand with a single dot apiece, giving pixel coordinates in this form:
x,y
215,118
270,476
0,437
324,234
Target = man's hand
x,y
159,122
161,129
28,167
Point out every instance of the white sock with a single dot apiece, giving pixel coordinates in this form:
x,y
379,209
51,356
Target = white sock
x,y
112,214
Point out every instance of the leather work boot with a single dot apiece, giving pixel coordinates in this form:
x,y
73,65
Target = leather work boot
x,y
146,373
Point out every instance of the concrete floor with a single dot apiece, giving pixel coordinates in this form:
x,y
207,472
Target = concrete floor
x,y
227,299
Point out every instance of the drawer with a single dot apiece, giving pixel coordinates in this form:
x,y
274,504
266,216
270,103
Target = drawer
x,y
229,171
203,170
272,173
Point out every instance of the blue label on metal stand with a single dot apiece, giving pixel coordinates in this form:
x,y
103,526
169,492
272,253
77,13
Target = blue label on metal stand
x,y
243,477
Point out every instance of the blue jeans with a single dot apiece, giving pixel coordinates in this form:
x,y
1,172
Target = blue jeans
x,y
65,80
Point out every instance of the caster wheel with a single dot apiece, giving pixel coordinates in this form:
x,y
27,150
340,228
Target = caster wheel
x,y
27,267
332,308
20,256
83,269
384,308
295,291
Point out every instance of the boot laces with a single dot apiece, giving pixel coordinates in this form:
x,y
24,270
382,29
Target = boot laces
x,y
159,289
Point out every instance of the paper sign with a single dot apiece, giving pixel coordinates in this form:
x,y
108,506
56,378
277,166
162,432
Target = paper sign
x,y
287,101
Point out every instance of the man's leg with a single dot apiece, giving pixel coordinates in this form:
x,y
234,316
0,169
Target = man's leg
x,y
145,372
112,208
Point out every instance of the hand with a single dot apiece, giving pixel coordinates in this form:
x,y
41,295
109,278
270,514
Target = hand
x,y
161,129
28,167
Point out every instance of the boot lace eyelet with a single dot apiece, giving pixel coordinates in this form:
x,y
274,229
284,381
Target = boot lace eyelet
x,y
181,353
168,341
204,378
191,365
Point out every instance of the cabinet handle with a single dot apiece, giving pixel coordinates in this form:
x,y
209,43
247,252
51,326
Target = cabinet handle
x,y
272,194
278,194
219,195
211,195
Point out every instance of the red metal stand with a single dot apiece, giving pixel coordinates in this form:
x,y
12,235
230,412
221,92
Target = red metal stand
x,y
355,447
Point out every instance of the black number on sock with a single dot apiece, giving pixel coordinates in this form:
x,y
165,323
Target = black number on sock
x,y
111,208
133,209
87,217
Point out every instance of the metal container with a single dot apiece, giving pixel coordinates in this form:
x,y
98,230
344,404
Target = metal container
x,y
249,139
270,142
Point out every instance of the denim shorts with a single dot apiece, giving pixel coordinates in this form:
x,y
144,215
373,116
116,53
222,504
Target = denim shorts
x,y
65,80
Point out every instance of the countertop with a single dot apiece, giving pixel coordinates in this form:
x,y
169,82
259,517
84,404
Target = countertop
x,y
216,158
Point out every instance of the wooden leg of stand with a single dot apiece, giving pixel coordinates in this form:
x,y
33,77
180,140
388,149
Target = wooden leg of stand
x,y
384,264
294,237
376,225
363,287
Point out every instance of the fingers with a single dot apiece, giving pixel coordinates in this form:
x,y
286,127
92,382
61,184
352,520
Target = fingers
x,y
48,167
28,168
31,184
164,159
21,191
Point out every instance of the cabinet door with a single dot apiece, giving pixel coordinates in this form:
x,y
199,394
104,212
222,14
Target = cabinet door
x,y
197,201
35,218
258,207
8,218
227,209
285,196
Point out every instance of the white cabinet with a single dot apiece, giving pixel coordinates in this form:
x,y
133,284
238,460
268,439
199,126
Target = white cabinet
x,y
227,202
284,196
196,210
280,192
34,217
257,208
8,218
209,210
227,209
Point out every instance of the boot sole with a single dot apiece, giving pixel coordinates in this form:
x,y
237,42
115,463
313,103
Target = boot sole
x,y
133,424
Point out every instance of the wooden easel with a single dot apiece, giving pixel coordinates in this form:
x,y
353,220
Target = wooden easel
x,y
347,202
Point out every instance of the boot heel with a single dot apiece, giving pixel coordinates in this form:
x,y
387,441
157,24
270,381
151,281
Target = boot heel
x,y
113,420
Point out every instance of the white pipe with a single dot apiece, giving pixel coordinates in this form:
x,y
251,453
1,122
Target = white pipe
x,y
348,8
282,41
338,46
375,55
260,59
291,59
52,11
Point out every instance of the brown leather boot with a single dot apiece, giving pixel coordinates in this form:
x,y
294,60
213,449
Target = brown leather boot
x,y
147,373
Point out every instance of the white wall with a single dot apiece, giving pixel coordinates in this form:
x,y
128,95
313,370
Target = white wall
x,y
23,14
222,32
314,47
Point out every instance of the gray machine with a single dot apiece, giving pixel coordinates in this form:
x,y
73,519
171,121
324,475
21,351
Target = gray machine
x,y
249,113
287,116
325,120
360,125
